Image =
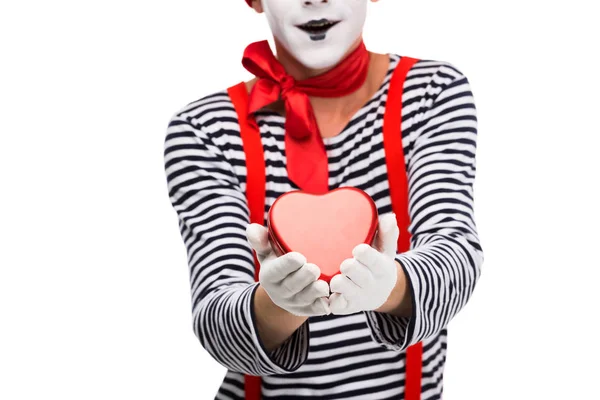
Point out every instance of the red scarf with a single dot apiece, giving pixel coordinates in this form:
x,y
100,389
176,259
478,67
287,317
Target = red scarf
x,y
307,164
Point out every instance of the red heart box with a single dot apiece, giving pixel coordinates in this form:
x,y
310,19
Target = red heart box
x,y
325,228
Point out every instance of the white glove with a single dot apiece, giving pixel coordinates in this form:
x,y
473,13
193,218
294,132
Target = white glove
x,y
367,279
291,282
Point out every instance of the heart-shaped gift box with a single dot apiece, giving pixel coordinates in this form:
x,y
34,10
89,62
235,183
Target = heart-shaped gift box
x,y
325,228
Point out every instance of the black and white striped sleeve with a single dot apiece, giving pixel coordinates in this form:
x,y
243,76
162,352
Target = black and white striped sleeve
x,y
445,259
213,215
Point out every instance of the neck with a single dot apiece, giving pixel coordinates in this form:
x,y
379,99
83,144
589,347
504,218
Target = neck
x,y
343,107
336,109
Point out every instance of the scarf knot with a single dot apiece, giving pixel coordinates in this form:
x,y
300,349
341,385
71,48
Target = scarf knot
x,y
287,83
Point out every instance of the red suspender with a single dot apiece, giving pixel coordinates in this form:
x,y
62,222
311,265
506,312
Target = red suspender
x,y
397,177
255,161
255,191
394,153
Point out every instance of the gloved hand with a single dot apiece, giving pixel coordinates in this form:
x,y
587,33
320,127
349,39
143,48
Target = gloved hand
x,y
289,280
367,279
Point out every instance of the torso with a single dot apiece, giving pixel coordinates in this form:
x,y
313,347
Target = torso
x,y
345,360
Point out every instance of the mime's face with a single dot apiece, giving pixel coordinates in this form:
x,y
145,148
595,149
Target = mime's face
x,y
318,33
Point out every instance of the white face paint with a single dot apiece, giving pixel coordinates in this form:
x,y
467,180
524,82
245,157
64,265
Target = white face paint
x,y
316,46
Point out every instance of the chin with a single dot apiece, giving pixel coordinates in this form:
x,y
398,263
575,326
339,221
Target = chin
x,y
320,58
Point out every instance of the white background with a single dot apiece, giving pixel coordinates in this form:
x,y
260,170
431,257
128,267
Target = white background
x,y
94,292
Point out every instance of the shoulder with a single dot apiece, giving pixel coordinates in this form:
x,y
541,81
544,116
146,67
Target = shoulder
x,y
208,112
428,77
428,71
212,118
208,125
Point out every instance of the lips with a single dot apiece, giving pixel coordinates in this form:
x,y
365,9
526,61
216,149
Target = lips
x,y
317,28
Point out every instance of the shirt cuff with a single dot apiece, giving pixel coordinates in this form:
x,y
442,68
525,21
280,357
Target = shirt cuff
x,y
286,358
393,332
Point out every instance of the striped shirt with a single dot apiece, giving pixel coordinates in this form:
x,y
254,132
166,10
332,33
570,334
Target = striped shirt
x,y
357,356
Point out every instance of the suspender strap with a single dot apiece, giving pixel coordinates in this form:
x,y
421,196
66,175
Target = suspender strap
x,y
255,160
397,177
255,191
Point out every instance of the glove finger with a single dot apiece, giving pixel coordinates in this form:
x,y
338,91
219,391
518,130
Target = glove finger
x,y
387,235
340,283
300,279
338,304
257,236
370,258
357,272
321,306
314,290
278,268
